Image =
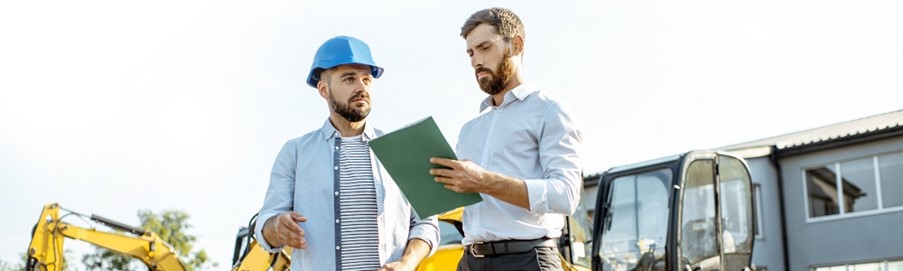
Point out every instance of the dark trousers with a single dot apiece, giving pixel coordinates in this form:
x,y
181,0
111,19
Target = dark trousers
x,y
538,259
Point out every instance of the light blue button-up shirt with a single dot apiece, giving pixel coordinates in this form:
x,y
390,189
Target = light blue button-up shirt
x,y
303,180
528,136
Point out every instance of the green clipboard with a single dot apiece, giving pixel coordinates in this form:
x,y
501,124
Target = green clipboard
x,y
406,153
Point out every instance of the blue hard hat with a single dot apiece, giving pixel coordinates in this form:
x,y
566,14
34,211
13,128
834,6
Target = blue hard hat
x,y
339,51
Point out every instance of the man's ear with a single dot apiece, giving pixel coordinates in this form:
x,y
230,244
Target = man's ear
x,y
323,89
518,42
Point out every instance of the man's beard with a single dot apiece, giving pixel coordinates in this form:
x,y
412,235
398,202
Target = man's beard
x,y
348,112
495,83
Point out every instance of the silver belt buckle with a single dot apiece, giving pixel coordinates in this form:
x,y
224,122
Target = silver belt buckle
x,y
474,254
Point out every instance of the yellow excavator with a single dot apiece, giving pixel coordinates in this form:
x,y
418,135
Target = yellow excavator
x,y
45,252
249,256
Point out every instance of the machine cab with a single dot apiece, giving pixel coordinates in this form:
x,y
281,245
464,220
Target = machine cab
x,y
691,211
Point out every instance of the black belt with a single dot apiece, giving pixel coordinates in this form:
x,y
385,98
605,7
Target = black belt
x,y
482,249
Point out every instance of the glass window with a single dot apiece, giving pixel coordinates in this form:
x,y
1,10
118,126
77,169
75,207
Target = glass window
x,y
895,266
698,241
736,208
891,171
821,189
449,234
873,266
736,213
832,268
760,224
858,178
634,230
865,267
579,229
857,188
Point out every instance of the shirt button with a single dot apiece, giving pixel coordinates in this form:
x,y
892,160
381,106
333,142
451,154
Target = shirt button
x,y
337,248
336,147
336,221
336,167
336,193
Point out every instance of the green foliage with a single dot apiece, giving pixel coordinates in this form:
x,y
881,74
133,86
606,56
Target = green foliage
x,y
20,266
103,259
5,266
172,227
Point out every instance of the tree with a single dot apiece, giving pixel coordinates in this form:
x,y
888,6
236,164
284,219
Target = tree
x,y
172,227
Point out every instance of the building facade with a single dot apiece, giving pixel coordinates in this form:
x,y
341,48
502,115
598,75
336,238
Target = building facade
x,y
828,198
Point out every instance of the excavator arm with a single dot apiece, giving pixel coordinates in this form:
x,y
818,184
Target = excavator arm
x,y
45,252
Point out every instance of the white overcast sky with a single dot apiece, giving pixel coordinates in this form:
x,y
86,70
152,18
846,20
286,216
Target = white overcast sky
x,y
109,107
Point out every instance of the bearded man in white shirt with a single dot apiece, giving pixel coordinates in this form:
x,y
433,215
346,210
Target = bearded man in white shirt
x,y
522,154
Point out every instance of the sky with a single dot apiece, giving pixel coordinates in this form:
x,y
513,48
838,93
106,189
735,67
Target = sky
x,y
110,107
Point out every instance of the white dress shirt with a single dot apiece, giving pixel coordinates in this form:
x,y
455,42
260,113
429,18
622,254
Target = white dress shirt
x,y
532,137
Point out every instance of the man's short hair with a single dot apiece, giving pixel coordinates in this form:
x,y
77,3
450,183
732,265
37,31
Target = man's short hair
x,y
506,23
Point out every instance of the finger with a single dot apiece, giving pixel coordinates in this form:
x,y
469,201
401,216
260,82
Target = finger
x,y
452,188
288,240
441,172
443,180
442,161
293,239
298,217
446,180
288,234
289,226
299,244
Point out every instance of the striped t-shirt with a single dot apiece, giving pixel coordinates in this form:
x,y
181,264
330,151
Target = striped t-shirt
x,y
357,207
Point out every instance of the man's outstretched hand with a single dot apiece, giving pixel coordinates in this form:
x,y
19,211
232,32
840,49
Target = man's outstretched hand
x,y
283,229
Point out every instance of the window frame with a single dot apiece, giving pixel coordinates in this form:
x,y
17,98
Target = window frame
x,y
883,265
757,212
842,213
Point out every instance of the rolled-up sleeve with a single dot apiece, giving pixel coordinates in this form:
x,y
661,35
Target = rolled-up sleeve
x,y
280,193
559,153
426,229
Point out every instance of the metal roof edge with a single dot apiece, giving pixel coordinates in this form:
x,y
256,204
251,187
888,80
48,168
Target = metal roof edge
x,y
841,141
752,151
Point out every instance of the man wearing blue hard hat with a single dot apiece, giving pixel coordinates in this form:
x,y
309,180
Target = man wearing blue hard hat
x,y
522,154
328,197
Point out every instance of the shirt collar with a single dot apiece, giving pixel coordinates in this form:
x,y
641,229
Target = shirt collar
x,y
518,93
329,132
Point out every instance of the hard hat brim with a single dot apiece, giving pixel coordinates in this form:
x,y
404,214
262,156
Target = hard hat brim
x,y
314,75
